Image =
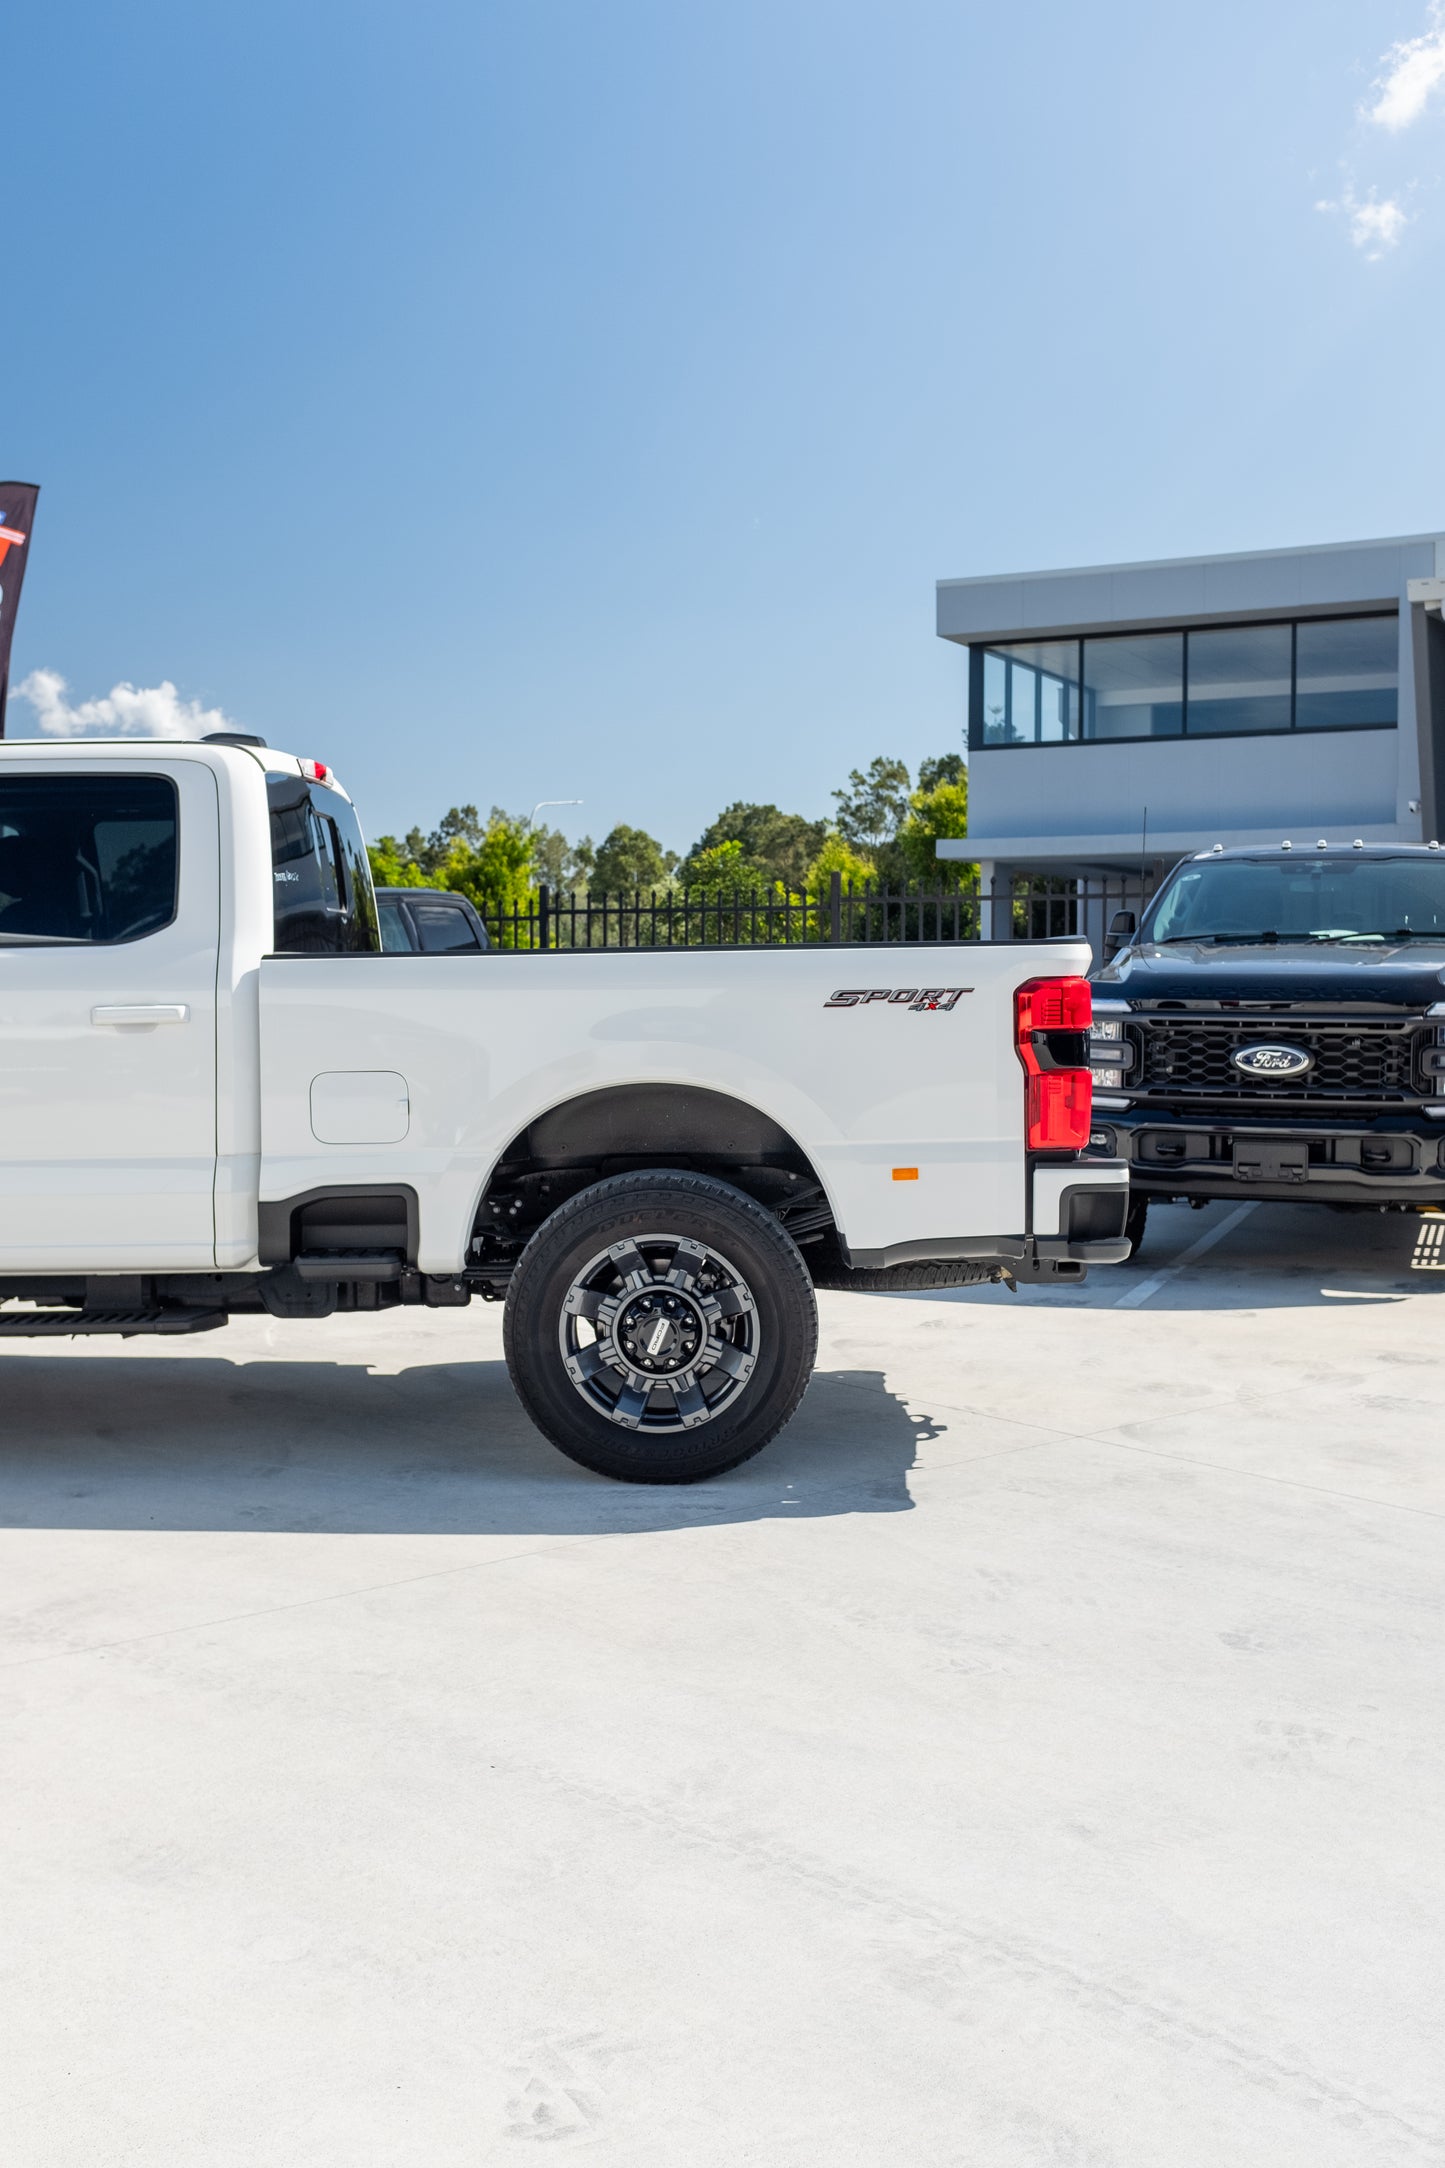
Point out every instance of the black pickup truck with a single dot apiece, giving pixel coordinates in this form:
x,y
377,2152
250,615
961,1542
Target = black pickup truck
x,y
1275,1027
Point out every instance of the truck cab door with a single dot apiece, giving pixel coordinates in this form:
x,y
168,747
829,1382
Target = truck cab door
x,y
109,934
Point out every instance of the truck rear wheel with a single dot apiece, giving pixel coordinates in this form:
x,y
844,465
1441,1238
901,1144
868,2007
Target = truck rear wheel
x,y
660,1327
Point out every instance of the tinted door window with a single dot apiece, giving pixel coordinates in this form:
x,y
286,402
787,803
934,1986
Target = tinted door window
x,y
89,858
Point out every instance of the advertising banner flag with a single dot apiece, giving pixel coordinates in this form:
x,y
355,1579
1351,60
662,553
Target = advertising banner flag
x,y
17,522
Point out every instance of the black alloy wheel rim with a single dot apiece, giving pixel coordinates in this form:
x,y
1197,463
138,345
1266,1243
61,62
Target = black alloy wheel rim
x,y
659,1333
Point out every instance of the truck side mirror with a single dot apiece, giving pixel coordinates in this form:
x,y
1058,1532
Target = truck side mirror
x,y
1120,934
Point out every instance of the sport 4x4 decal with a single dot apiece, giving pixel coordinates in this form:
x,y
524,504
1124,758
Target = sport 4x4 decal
x,y
899,997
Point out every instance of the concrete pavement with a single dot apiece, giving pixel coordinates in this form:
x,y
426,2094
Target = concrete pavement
x,y
1032,1761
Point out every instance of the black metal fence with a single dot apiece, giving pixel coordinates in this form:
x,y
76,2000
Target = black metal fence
x,y
1018,907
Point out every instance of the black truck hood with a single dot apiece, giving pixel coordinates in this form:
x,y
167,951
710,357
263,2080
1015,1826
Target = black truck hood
x,y
1398,975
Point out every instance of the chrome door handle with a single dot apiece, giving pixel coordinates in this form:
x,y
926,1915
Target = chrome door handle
x,y
146,1012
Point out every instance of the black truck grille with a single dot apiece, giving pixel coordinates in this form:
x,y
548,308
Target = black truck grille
x,y
1180,1056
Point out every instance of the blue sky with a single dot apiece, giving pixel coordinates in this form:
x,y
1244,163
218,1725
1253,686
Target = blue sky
x,y
538,399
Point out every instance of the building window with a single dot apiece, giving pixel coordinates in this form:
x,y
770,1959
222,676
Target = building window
x,y
1211,681
1134,685
1239,679
1030,693
1346,673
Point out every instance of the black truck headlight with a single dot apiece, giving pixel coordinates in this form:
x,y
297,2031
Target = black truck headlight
x,y
1109,1050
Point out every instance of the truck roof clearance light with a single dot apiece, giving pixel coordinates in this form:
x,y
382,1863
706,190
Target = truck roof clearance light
x,y
315,771
1051,1034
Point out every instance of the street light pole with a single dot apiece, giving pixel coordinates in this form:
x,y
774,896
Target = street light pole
x,y
532,816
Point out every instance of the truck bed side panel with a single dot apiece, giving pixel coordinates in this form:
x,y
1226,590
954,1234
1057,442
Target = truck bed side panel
x,y
484,1044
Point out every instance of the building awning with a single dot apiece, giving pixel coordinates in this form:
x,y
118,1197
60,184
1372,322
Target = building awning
x,y
1126,850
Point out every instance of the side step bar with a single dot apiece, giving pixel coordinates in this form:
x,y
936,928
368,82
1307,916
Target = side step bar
x,y
64,1324
349,1265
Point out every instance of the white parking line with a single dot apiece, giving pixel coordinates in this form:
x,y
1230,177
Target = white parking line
x,y
1156,1280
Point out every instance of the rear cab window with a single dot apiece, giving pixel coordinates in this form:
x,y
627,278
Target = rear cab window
x,y
430,922
324,903
443,928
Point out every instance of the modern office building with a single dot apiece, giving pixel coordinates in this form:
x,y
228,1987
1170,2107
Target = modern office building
x,y
1123,713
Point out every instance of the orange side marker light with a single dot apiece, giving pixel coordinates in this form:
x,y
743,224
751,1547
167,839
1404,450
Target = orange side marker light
x,y
905,1174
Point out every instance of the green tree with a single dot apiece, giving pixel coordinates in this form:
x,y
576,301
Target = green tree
x,y
462,824
781,845
500,865
942,768
724,866
874,806
854,870
838,855
738,898
489,863
583,869
494,873
562,865
629,858
934,814
392,865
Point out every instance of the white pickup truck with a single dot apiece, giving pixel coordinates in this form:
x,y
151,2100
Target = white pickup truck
x,y
220,1095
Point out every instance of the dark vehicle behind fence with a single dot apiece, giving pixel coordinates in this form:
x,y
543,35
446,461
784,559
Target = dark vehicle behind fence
x,y
429,922
1275,1027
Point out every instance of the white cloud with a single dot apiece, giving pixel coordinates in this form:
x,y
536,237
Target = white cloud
x,y
126,711
1409,73
1375,224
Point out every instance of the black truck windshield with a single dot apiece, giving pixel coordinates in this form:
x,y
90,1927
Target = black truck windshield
x,y
1302,899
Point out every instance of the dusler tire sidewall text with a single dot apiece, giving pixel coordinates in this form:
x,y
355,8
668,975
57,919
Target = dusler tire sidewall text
x,y
713,1213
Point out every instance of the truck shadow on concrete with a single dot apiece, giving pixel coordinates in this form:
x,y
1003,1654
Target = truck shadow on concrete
x,y
200,1443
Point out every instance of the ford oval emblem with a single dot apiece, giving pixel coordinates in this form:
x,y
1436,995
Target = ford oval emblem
x,y
1268,1061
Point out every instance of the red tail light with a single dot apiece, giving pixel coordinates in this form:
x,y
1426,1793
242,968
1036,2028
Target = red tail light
x,y
315,771
1051,1031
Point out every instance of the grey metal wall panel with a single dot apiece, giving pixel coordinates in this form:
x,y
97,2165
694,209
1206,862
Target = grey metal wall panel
x,y
1349,576
1314,779
1245,586
1162,591
1274,581
1079,598
968,612
1407,767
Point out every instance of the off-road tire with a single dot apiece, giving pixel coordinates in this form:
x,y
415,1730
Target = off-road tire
x,y
1134,1224
702,1212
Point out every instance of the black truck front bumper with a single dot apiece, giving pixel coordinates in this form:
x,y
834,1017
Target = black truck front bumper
x,y
1394,1159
